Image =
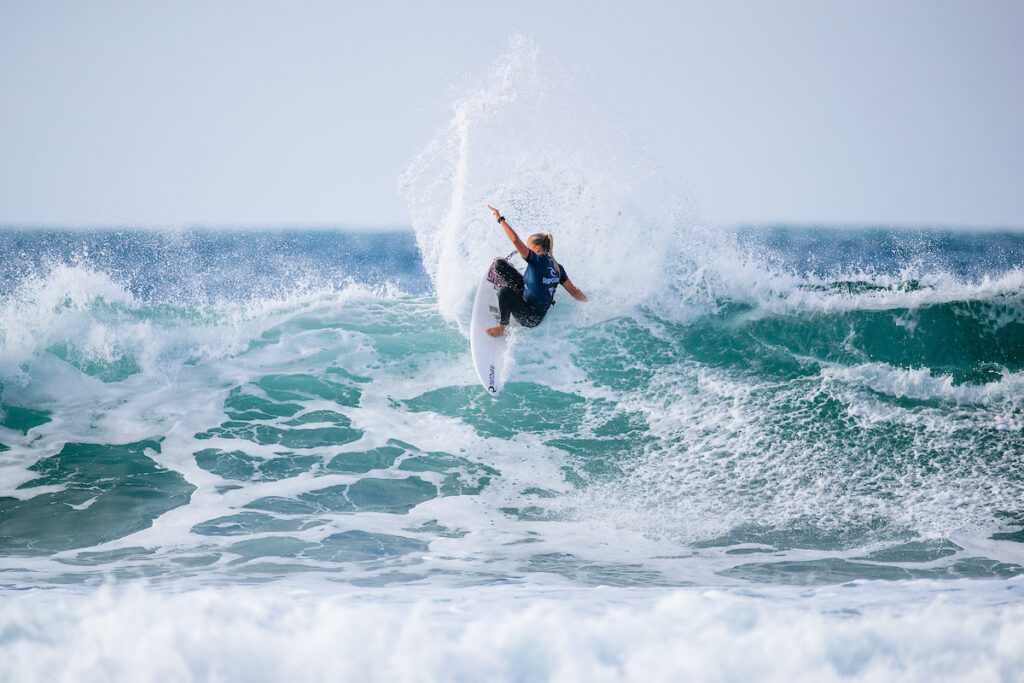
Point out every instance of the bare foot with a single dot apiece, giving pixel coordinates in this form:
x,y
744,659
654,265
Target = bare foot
x,y
496,331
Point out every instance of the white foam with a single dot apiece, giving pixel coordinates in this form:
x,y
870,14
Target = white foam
x,y
507,634
923,384
728,452
723,269
94,320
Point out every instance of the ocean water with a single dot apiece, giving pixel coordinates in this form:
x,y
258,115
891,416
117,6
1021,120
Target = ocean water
x,y
772,453
265,455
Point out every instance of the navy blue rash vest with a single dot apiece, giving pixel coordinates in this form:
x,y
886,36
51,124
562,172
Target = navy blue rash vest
x,y
540,280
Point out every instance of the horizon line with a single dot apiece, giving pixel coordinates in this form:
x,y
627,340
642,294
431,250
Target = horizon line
x,y
390,227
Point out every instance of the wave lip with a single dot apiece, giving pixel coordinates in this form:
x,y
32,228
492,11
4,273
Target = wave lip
x,y
922,384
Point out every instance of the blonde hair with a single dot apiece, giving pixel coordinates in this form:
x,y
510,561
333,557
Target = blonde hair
x,y
546,242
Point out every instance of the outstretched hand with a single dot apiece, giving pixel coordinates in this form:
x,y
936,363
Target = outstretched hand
x,y
510,233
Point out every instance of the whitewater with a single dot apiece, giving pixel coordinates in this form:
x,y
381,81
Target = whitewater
x,y
768,453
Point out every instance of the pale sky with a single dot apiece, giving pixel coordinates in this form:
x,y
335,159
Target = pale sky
x,y
298,113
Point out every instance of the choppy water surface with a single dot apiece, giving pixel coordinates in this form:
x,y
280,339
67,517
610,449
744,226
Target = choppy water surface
x,y
182,408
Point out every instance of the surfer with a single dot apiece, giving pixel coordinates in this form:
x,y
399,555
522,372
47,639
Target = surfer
x,y
528,297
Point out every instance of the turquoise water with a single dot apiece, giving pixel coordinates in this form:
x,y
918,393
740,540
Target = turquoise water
x,y
168,415
297,412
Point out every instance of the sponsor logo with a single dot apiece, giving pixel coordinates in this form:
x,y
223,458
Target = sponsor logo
x,y
490,380
495,279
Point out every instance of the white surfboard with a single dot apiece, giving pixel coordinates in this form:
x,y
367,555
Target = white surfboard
x,y
488,352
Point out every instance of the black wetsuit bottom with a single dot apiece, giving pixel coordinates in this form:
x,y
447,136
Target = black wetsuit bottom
x,y
510,298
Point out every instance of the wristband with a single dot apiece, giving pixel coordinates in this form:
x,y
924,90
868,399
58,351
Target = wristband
x,y
501,218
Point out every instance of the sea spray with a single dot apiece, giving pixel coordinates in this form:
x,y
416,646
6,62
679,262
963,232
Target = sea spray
x,y
530,140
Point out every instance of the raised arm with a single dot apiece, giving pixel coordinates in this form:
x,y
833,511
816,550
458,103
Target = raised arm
x,y
520,247
574,291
